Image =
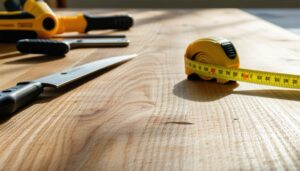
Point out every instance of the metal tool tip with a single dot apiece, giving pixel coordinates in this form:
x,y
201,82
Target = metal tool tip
x,y
129,57
133,56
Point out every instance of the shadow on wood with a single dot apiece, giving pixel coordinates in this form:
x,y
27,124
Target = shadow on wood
x,y
8,50
293,95
205,91
35,60
11,55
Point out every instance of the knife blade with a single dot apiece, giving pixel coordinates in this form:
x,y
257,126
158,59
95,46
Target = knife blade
x,y
13,98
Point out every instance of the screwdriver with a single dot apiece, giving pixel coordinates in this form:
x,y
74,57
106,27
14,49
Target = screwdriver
x,y
61,47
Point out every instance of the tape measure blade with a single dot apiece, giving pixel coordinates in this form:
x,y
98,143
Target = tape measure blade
x,y
245,75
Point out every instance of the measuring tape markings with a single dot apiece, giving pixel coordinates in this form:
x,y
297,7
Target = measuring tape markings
x,y
245,75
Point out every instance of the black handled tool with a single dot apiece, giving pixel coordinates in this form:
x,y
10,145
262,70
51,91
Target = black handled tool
x,y
56,47
119,22
14,98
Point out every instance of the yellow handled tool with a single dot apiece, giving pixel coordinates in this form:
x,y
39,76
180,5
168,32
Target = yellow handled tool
x,y
217,58
34,18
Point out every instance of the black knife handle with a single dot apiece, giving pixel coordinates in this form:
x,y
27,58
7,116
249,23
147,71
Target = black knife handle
x,y
13,98
43,46
121,22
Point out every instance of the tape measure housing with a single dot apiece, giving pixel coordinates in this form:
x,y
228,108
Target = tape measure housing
x,y
217,58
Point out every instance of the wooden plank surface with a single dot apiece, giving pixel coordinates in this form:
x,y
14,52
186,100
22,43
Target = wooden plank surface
x,y
145,115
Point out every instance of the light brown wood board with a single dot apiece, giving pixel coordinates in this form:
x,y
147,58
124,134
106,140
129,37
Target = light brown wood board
x,y
145,115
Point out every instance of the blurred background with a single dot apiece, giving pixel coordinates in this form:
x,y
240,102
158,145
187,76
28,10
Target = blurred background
x,y
284,13
174,3
177,3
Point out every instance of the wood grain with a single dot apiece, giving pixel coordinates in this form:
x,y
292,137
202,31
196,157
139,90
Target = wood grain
x,y
145,115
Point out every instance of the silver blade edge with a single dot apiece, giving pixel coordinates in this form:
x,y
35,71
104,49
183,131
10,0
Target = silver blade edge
x,y
65,77
104,42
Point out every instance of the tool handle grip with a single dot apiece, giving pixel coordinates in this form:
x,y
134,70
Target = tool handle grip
x,y
121,22
43,46
14,98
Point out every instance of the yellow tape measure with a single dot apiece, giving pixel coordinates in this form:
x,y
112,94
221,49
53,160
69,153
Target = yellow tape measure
x,y
217,58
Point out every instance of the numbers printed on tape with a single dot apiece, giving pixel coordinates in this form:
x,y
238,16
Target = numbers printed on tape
x,y
246,75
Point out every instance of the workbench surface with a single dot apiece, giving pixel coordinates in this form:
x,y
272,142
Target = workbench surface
x,y
145,115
